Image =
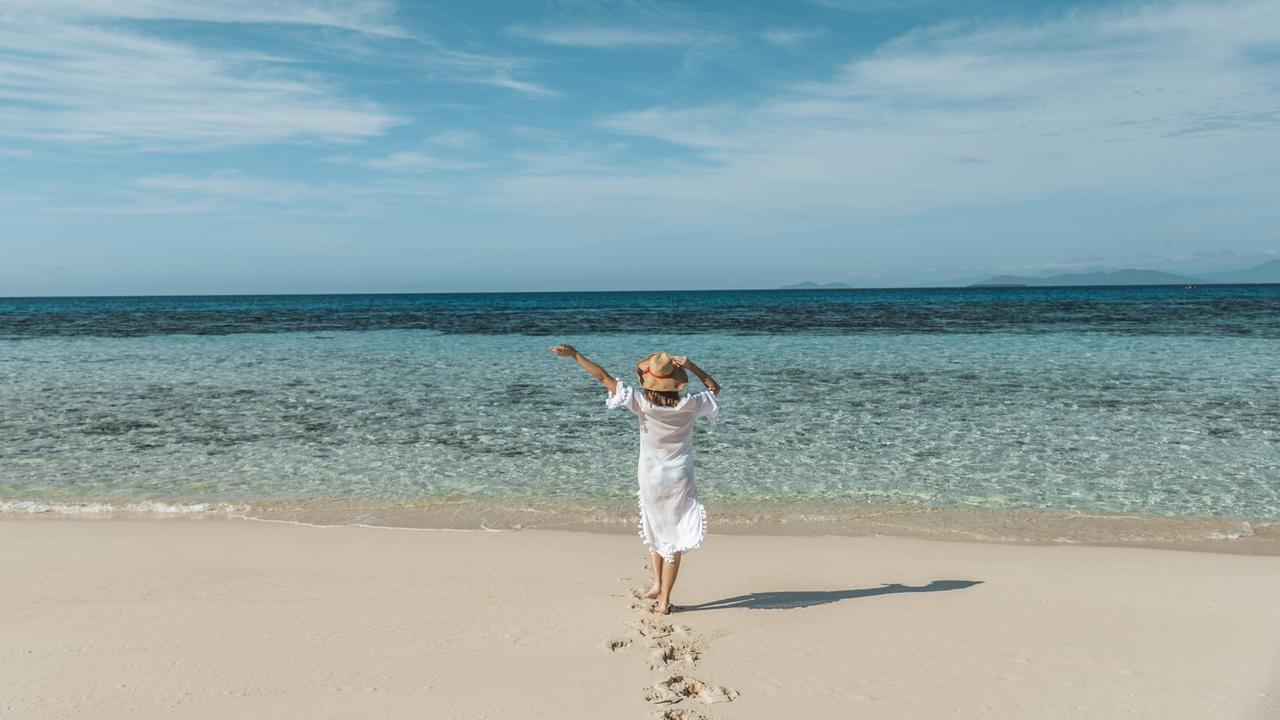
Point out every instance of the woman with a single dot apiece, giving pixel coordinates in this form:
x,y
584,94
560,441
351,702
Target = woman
x,y
672,520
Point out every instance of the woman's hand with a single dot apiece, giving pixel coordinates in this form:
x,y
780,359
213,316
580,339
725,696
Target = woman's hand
x,y
594,370
682,361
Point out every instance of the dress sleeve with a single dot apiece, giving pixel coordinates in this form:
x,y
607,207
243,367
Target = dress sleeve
x,y
623,396
707,406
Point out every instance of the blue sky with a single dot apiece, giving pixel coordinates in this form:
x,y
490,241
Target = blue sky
x,y
164,146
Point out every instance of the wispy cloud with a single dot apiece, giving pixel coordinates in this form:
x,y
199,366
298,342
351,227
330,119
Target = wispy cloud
x,y
502,79
219,192
704,127
66,74
481,69
228,186
457,139
567,159
415,161
376,17
791,36
870,6
604,36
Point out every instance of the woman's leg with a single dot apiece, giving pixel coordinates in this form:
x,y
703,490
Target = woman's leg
x,y
655,562
669,572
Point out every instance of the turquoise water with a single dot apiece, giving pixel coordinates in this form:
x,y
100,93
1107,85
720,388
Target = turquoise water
x,y
1173,418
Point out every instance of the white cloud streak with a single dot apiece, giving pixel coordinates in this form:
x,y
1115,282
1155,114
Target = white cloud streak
x,y
457,139
412,161
479,69
790,37
219,192
603,37
69,71
228,186
374,17
502,79
871,6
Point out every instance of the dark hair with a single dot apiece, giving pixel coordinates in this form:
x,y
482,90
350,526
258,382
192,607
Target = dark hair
x,y
665,398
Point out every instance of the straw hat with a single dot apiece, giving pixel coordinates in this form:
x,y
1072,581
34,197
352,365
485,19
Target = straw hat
x,y
657,371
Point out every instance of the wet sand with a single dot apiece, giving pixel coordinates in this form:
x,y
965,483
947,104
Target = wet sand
x,y
1241,535
233,618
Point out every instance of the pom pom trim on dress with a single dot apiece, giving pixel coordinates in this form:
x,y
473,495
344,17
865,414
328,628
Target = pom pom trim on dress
x,y
672,518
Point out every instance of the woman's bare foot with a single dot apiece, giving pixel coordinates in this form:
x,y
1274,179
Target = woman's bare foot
x,y
663,608
654,592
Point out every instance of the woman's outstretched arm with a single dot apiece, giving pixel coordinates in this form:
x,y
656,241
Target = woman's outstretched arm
x,y
594,370
706,379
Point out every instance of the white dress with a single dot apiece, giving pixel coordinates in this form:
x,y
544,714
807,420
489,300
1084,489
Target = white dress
x,y
672,520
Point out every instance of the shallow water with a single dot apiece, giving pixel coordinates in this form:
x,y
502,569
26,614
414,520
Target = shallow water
x,y
1161,402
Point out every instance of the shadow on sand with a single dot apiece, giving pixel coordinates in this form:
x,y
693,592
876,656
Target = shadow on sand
x,y
806,598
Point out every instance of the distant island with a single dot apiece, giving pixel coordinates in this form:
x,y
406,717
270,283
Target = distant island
x,y
1117,277
1267,272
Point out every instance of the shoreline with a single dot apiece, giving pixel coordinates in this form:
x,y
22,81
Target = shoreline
x,y
197,620
1224,535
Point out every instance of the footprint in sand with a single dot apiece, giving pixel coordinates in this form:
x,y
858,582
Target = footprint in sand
x,y
616,644
682,687
679,714
654,629
670,653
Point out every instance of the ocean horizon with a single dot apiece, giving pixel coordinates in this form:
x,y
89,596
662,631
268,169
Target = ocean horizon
x,y
802,287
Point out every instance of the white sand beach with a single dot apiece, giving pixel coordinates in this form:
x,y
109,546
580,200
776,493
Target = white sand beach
x,y
220,618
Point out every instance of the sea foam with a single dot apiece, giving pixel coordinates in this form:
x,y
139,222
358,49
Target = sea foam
x,y
39,507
